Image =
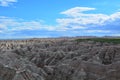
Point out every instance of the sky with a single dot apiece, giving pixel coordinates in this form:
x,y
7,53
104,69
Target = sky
x,y
59,18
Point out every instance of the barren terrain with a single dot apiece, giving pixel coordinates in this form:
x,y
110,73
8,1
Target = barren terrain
x,y
60,59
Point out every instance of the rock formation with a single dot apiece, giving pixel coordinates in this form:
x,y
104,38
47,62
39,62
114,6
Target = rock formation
x,y
59,59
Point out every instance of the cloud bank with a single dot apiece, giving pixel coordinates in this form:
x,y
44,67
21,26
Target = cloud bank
x,y
77,22
6,3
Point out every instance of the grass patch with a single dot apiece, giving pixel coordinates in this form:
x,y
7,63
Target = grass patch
x,y
102,40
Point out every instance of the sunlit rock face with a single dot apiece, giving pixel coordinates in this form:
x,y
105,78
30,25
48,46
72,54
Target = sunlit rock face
x,y
59,59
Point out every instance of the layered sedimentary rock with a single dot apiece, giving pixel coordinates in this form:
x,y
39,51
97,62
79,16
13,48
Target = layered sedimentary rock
x,y
59,59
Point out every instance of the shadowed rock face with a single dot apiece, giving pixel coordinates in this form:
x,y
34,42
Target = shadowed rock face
x,y
6,73
59,59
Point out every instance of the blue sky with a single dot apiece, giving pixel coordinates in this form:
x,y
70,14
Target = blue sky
x,y
56,18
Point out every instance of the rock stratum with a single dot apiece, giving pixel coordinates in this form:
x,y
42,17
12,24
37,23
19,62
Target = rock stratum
x,y
59,59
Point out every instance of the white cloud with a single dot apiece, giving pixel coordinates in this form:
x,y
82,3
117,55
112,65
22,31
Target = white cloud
x,y
77,17
84,20
115,16
75,12
97,31
6,3
2,26
77,27
76,21
16,24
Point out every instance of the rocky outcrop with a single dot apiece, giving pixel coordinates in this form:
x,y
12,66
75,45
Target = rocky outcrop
x,y
6,73
59,59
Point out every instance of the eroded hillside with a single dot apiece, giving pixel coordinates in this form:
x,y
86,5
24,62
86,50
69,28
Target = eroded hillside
x,y
59,59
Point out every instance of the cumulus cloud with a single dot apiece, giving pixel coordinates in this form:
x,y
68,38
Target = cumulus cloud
x,y
77,17
8,23
7,3
76,11
115,16
75,23
17,24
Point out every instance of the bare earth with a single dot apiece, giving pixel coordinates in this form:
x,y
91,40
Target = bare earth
x,y
59,59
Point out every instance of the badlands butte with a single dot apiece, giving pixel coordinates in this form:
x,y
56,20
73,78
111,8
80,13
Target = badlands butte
x,y
60,59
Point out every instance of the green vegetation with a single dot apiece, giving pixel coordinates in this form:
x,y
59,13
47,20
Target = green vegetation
x,y
103,40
